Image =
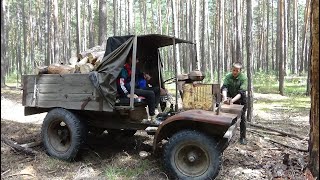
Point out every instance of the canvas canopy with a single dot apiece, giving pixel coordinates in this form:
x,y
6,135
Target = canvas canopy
x,y
104,77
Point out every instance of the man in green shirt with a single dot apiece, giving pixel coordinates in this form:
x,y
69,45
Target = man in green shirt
x,y
234,92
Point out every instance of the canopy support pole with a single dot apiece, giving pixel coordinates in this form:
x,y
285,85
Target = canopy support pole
x,y
176,71
133,74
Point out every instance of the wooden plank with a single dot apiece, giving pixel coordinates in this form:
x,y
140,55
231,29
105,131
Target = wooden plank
x,y
74,101
65,97
76,79
80,79
28,83
233,108
91,105
30,100
66,88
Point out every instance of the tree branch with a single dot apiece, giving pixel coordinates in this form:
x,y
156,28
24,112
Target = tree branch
x,y
18,147
278,131
273,141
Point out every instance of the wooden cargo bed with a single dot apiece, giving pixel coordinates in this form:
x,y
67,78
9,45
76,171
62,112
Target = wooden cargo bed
x,y
70,91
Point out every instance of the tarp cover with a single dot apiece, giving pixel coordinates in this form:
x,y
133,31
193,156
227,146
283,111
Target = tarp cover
x,y
104,77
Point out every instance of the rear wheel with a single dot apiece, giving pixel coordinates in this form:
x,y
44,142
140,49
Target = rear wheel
x,y
63,134
192,155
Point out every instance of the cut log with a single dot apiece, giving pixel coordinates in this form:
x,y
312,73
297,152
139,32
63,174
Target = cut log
x,y
98,62
77,68
85,53
83,61
60,69
17,147
86,68
41,70
73,60
93,57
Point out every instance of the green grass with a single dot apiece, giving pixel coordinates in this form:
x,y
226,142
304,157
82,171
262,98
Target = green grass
x,y
12,78
114,171
293,105
268,84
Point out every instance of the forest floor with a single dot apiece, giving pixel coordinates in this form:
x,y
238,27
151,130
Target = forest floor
x,y
262,158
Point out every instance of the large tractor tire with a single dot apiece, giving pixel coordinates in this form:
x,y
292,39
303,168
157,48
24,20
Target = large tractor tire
x,y
192,155
63,133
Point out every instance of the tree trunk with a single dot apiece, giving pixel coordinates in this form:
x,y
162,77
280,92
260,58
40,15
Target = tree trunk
x,y
304,40
145,16
175,33
47,60
314,112
222,22
249,59
191,37
159,16
102,21
130,17
267,39
219,40
115,17
272,41
208,58
281,48
295,38
278,43
285,37
120,18
25,60
31,39
84,25
56,38
202,46
239,33
91,30
3,44
78,27
197,19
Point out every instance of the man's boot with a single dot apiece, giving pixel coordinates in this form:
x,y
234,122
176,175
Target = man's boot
x,y
243,130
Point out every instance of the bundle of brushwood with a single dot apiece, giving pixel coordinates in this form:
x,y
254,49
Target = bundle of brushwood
x,y
83,63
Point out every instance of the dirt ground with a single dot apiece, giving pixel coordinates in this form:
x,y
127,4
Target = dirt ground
x,y
261,158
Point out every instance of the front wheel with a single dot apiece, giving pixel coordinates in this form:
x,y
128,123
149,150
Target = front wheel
x,y
192,155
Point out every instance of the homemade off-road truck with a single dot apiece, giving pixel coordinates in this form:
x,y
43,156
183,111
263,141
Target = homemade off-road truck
x,y
193,136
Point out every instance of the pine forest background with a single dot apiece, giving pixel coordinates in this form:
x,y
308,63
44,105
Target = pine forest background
x,y
35,33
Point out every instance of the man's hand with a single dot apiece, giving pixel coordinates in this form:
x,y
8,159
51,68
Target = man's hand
x,y
228,101
147,76
134,96
163,92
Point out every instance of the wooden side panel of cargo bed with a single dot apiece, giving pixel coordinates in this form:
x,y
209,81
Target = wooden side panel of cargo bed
x,y
70,91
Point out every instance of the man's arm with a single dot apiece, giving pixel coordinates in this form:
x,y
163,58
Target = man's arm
x,y
224,89
236,98
242,89
124,86
224,94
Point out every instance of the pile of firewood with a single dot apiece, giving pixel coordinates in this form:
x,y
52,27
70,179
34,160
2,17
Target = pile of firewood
x,y
83,63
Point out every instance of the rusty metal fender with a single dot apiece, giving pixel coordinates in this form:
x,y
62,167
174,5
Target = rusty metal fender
x,y
222,122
